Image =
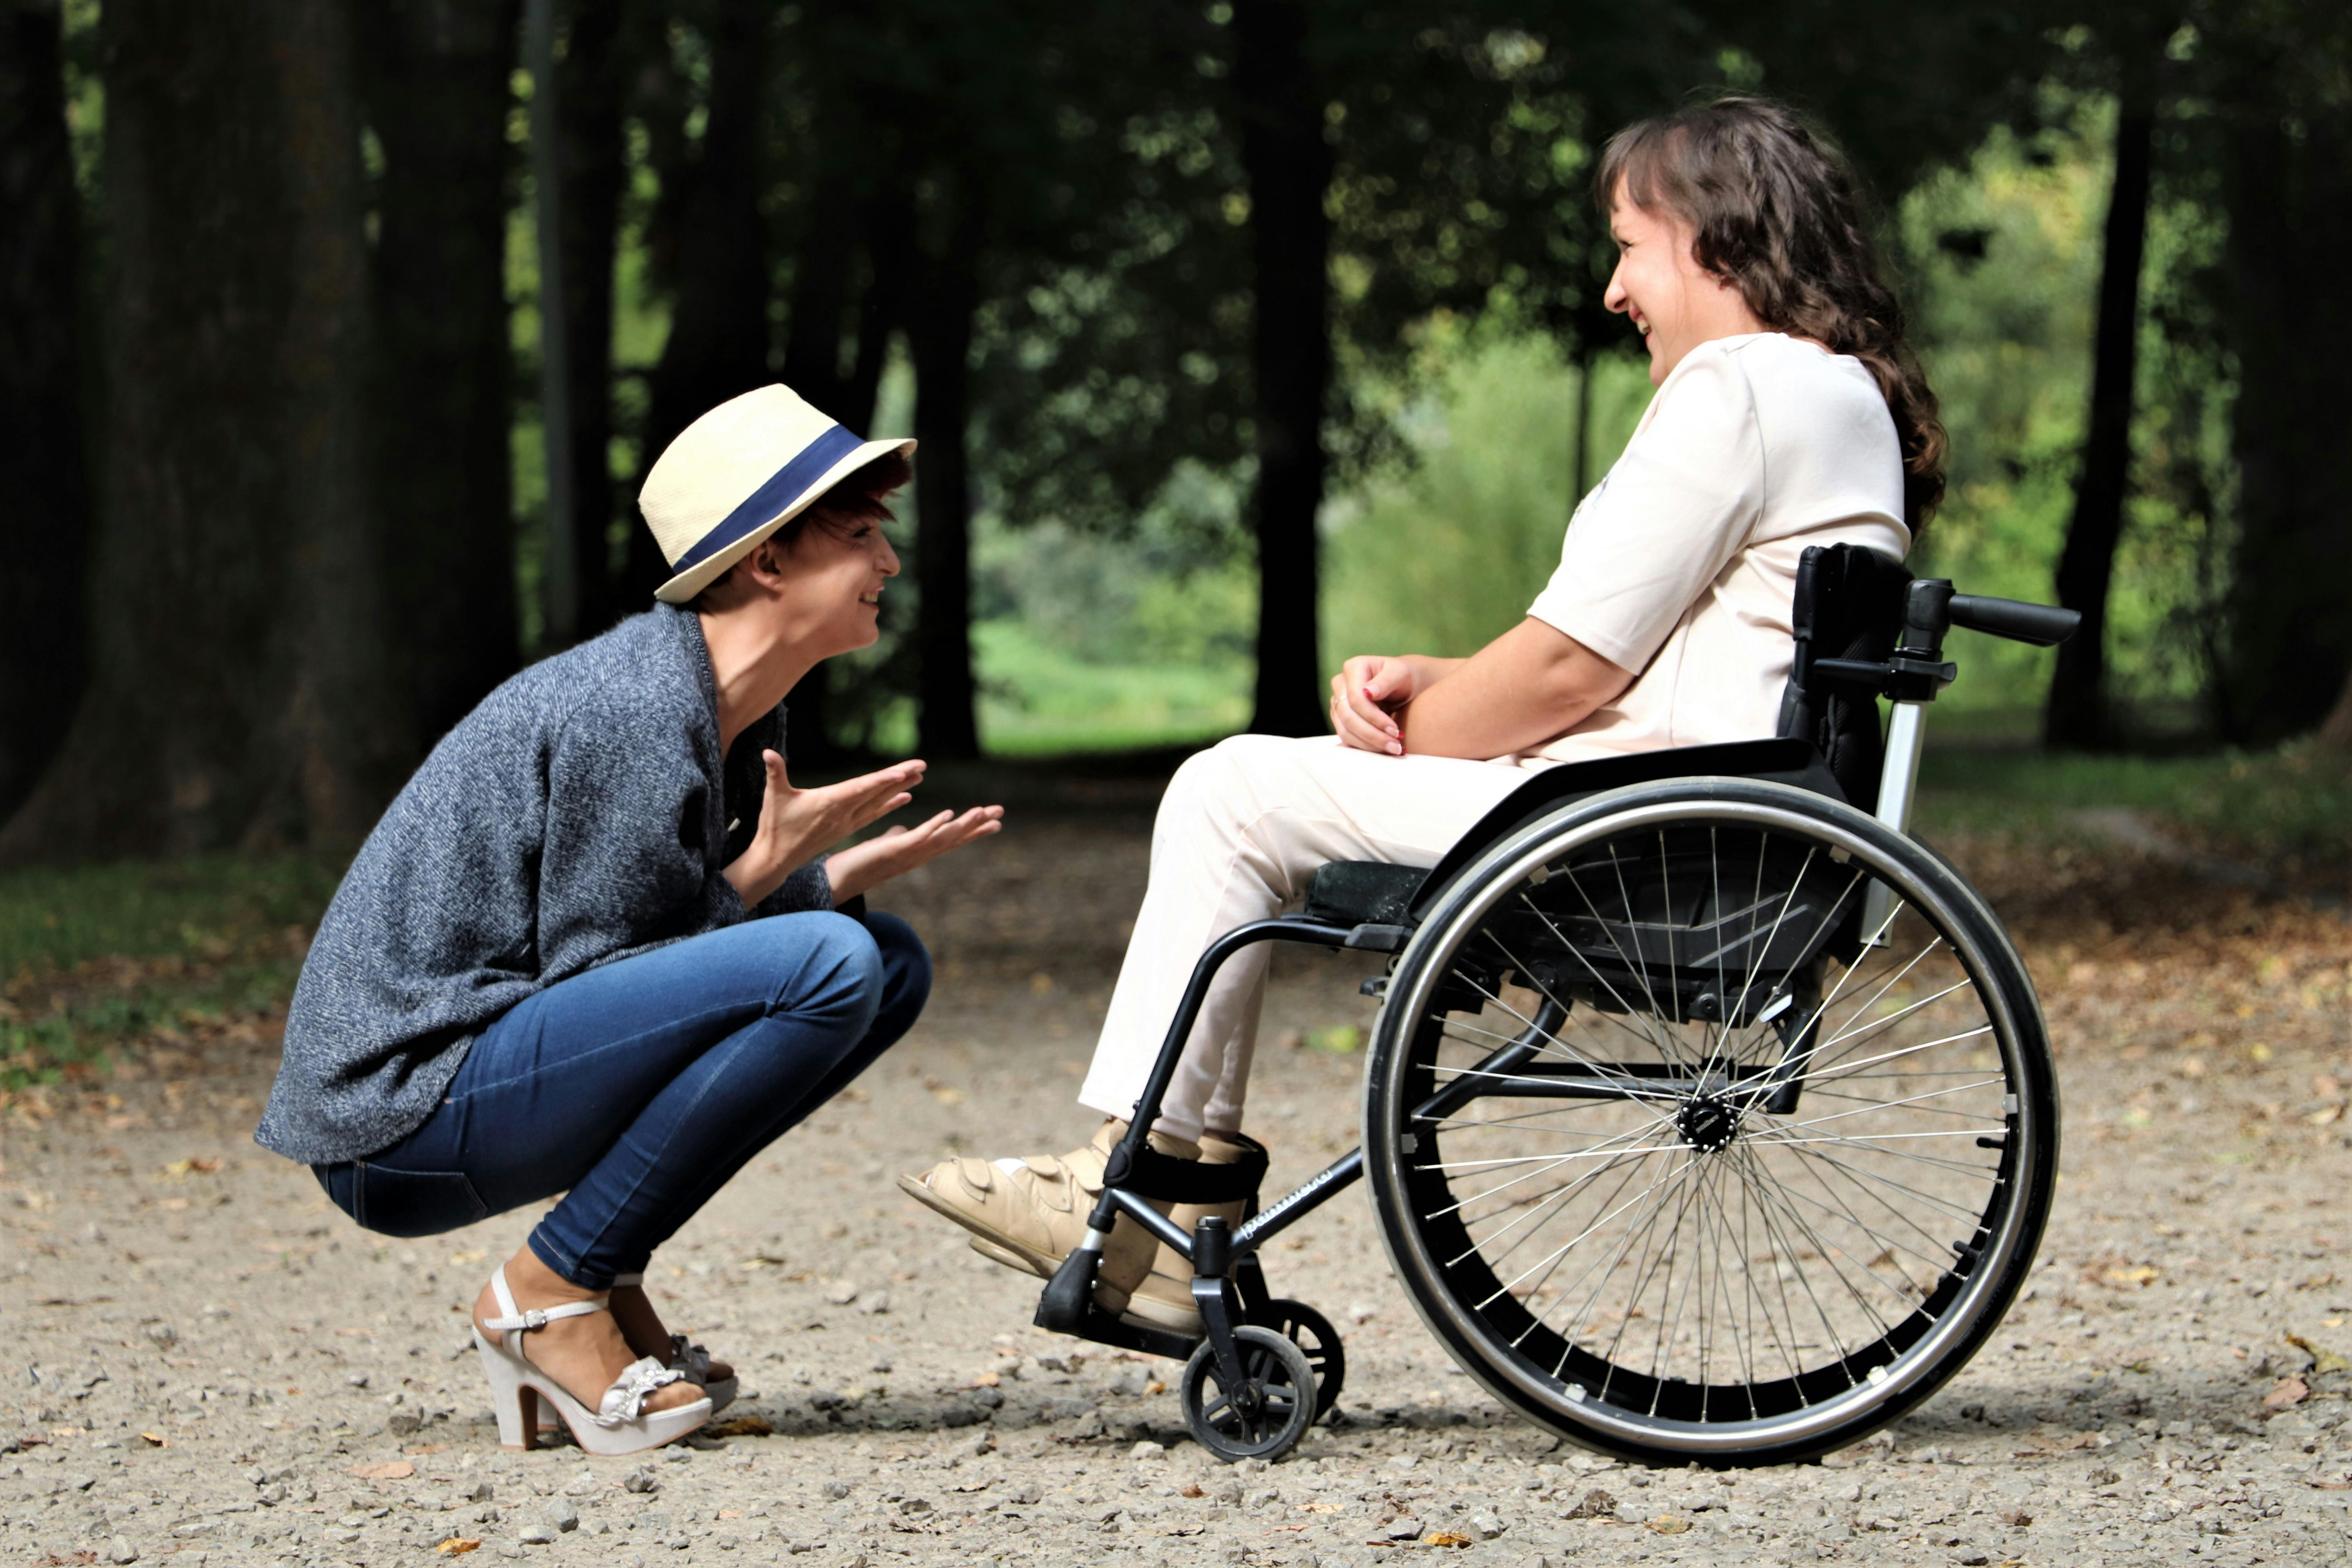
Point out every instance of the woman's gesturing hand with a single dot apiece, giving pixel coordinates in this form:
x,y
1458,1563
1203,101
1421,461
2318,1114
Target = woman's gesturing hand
x,y
796,825
898,851
1365,697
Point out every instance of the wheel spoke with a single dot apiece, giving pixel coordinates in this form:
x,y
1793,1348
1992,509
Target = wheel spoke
x,y
1659,1241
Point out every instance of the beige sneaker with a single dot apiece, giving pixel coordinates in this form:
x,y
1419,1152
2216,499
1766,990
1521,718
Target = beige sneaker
x,y
1164,1299
1030,1214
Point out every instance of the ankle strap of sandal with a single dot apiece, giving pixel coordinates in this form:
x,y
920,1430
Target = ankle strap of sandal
x,y
535,1317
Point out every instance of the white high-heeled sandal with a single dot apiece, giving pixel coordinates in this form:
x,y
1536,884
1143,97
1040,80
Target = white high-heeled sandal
x,y
620,1425
691,1361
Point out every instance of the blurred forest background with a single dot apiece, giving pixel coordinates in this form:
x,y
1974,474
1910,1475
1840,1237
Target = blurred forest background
x,y
1238,336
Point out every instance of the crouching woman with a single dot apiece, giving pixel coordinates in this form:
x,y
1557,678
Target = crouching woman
x,y
592,947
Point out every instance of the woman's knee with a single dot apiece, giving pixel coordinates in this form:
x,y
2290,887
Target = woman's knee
x,y
828,967
905,962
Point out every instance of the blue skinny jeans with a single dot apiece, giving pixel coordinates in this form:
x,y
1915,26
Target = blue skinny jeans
x,y
641,1086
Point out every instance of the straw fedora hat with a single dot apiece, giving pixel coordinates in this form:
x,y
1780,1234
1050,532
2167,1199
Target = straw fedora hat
x,y
738,474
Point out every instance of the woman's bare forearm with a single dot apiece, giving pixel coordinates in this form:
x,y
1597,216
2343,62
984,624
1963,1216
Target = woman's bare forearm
x,y
1528,685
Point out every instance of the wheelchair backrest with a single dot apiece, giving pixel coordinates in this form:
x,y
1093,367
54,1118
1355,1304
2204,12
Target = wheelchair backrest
x,y
1848,605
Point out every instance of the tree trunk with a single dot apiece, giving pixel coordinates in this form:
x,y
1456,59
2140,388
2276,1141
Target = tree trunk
x,y
589,132
1289,167
47,526
718,345
818,323
2077,714
939,334
239,694
812,322
436,74
2335,730
889,228
2289,626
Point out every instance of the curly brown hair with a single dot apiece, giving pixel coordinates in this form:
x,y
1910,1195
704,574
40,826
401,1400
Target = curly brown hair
x,y
1779,214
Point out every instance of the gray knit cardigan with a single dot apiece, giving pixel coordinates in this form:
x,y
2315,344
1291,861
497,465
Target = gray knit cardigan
x,y
579,815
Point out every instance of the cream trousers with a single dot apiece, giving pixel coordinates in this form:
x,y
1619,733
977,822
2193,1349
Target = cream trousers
x,y
1239,835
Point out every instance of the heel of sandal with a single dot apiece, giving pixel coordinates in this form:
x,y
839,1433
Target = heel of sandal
x,y
515,1402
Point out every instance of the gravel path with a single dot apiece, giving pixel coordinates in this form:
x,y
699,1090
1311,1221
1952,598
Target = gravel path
x,y
210,1366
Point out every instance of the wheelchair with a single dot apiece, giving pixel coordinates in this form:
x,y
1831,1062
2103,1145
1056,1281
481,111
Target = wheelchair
x,y
1708,1117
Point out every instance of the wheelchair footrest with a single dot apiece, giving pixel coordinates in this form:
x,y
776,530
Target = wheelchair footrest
x,y
1104,1328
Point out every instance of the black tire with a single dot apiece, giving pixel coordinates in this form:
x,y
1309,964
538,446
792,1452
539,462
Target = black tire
x,y
1317,1340
1807,1254
1264,1418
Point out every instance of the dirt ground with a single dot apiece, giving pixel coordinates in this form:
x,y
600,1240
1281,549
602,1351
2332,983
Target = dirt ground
x,y
209,1365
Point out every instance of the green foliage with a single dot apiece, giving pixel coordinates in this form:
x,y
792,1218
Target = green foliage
x,y
1038,699
2005,257
1088,644
2293,806
97,955
1446,554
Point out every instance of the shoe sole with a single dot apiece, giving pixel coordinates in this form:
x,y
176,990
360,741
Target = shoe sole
x,y
1000,1248
997,1248
1152,1312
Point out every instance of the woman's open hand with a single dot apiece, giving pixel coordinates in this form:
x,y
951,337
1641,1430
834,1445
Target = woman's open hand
x,y
796,825
1365,697
861,867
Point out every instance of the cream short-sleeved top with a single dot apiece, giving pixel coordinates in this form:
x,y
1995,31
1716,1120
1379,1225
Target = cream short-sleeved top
x,y
1681,564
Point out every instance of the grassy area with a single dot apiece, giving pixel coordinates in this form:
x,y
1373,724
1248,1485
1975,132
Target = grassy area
x,y
1039,701
2293,806
94,958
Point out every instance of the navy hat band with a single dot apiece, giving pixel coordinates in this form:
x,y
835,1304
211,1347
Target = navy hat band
x,y
779,492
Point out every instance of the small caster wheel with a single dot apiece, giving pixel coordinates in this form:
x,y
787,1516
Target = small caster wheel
x,y
1263,1418
1312,1332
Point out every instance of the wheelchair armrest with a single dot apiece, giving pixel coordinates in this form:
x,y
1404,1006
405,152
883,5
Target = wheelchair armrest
x,y
1364,892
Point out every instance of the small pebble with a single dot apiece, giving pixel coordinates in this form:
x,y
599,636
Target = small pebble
x,y
537,1535
1147,1449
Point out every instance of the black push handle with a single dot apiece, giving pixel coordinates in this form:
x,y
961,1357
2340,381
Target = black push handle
x,y
2044,625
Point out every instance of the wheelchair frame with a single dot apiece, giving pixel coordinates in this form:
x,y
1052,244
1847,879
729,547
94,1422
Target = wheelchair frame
x,y
1228,1286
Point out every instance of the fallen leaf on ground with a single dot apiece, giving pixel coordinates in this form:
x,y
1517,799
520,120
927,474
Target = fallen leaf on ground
x,y
2062,1442
1444,1538
2322,1359
741,1427
2290,1391
385,1471
154,1440
458,1546
460,1260
1667,1524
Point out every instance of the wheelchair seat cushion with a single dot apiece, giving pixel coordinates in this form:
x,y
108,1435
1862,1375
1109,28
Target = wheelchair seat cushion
x,y
1361,893
1364,892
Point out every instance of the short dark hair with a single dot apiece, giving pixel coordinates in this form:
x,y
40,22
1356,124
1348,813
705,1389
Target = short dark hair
x,y
862,495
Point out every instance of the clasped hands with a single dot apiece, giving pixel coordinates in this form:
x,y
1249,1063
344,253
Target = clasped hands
x,y
796,825
1367,694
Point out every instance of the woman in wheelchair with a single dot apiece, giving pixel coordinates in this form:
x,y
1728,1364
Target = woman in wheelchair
x,y
1789,414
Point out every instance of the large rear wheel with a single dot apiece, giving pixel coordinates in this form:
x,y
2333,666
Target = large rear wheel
x,y
1711,1120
